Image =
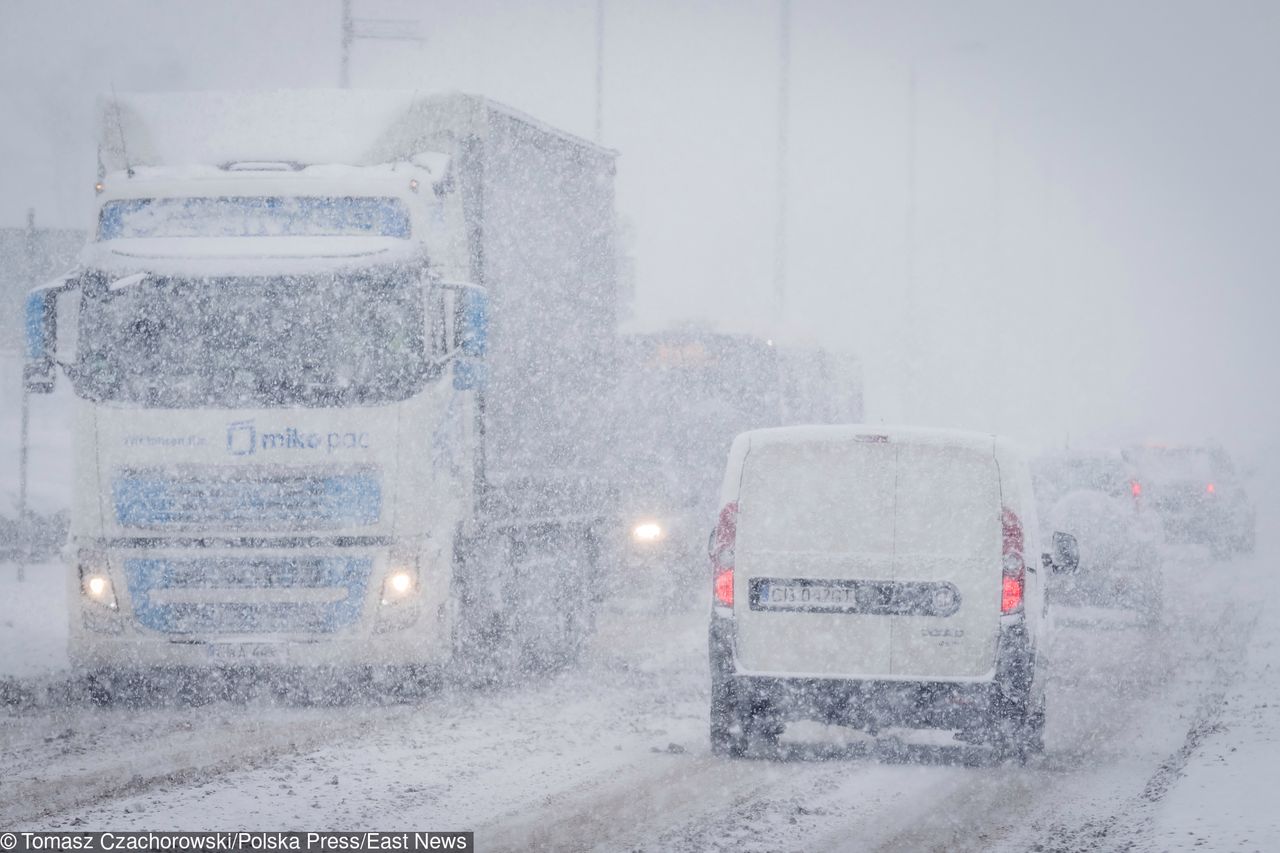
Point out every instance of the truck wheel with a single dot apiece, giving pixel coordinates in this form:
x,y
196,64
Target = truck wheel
x,y
485,648
108,688
99,688
407,682
553,612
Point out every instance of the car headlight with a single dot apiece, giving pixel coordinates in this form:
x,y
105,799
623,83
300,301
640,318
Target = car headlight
x,y
647,531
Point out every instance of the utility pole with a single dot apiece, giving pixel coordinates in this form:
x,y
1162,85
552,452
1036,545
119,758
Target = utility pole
x,y
911,189
348,35
599,72
784,84
372,29
910,337
24,430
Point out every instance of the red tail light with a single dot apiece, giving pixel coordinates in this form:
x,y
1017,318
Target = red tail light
x,y
1136,488
1010,595
1209,488
1014,574
722,558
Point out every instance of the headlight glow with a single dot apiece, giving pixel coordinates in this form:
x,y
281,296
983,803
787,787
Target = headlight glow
x,y
398,585
648,531
98,588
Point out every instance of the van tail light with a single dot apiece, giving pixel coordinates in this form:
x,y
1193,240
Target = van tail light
x,y
1014,575
1210,488
723,541
1135,488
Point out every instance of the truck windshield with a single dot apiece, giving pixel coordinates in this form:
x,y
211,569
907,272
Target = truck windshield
x,y
254,216
314,340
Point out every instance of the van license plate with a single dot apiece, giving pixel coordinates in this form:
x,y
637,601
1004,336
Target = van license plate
x,y
879,598
816,595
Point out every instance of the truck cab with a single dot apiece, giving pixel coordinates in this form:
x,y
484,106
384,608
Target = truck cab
x,y
283,451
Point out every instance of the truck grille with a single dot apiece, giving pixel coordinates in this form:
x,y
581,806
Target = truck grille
x,y
223,595
213,500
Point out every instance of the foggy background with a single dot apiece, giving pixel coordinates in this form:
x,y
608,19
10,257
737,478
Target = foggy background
x,y
1094,192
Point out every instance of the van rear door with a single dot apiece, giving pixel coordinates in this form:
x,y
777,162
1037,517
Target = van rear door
x,y
948,533
813,512
868,557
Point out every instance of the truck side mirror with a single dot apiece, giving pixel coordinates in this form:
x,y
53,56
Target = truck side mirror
x,y
40,324
471,337
1065,556
40,318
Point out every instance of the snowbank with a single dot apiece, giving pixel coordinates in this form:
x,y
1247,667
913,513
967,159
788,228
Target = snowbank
x,y
1225,798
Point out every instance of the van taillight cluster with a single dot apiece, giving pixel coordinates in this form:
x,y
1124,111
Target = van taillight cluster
x,y
1014,575
726,536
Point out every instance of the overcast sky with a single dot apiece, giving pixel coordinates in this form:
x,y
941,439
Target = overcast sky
x,y
1095,194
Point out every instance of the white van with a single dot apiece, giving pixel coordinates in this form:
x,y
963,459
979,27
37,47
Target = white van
x,y
876,577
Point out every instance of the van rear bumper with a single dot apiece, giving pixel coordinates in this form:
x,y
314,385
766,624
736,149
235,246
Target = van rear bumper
x,y
877,703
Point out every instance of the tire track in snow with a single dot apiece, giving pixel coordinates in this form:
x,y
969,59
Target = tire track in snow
x,y
98,756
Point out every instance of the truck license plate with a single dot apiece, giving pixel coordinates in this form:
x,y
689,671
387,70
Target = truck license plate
x,y
246,653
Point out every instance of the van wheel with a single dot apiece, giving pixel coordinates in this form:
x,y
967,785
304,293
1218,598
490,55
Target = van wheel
x,y
729,734
764,728
1032,734
1018,733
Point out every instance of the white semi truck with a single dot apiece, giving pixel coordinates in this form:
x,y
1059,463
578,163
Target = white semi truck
x,y
337,361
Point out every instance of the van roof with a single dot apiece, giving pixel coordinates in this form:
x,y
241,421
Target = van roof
x,y
865,432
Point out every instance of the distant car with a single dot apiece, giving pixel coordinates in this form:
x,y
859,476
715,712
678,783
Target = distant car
x,y
873,577
1097,497
1198,495
657,542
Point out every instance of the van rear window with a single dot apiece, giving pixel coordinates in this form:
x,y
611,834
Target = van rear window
x,y
870,498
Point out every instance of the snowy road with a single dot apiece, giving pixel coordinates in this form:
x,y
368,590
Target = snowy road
x,y
614,755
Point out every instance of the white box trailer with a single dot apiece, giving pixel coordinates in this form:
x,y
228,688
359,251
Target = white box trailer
x,y
337,365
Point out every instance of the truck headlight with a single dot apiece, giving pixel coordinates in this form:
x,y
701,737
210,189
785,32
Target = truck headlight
x,y
401,579
397,585
647,531
95,583
98,588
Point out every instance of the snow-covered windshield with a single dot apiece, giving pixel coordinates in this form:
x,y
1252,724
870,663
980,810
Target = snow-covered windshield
x,y
266,341
254,216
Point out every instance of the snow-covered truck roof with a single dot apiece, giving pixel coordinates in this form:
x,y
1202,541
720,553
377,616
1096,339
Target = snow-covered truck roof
x,y
311,126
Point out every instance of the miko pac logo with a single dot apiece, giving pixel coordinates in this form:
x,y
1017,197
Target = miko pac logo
x,y
242,438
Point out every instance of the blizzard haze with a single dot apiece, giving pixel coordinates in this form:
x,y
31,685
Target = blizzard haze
x,y
1094,186
681,425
